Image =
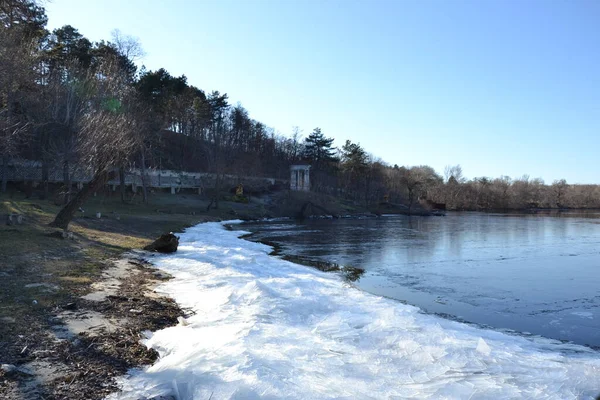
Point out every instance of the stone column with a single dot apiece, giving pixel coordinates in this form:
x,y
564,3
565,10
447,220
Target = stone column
x,y
307,180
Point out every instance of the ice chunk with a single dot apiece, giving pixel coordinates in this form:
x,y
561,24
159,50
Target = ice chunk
x,y
584,314
483,347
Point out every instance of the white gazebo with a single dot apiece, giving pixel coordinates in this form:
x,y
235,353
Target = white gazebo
x,y
300,177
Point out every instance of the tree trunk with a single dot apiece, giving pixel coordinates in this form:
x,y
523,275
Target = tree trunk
x,y
122,183
367,191
65,215
144,188
67,182
4,172
217,190
45,177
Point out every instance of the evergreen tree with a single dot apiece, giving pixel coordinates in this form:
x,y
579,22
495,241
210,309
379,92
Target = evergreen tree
x,y
318,149
354,158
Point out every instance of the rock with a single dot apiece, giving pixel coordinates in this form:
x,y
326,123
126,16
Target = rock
x,y
166,243
161,275
14,219
8,368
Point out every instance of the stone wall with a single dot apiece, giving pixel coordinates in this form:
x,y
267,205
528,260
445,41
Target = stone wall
x,y
31,171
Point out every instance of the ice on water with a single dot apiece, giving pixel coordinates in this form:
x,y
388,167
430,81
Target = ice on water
x,y
266,328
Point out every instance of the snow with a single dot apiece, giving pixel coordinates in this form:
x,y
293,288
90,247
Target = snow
x,y
266,328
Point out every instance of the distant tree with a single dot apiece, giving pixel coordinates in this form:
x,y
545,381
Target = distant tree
x,y
318,149
454,185
295,144
217,152
320,153
374,180
353,157
27,15
482,200
354,164
455,173
158,89
66,48
521,197
417,181
501,192
127,45
107,50
559,189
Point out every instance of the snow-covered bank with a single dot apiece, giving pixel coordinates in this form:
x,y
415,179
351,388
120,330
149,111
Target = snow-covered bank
x,y
267,328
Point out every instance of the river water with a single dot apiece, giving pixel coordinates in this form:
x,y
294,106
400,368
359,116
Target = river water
x,y
533,274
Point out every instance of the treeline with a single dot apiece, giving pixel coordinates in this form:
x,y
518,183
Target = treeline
x,y
504,193
67,101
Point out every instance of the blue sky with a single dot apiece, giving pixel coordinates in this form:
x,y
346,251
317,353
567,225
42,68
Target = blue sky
x,y
501,87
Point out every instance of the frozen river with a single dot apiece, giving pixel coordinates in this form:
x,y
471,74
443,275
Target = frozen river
x,y
529,273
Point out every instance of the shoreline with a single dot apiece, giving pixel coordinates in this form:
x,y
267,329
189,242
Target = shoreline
x,y
97,337
59,338
351,274
94,338
73,311
167,342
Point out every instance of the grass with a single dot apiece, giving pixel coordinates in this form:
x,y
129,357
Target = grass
x,y
28,254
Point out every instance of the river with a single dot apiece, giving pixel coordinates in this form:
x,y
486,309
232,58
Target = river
x,y
535,274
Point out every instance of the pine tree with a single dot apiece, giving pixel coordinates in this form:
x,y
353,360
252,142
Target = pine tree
x,y
354,158
318,149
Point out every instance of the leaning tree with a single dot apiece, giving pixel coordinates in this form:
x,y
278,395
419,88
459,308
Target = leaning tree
x,y
106,132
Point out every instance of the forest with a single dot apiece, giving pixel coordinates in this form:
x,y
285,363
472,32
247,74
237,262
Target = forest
x,y
68,102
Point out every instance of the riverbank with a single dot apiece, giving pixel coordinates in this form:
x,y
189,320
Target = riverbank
x,y
72,310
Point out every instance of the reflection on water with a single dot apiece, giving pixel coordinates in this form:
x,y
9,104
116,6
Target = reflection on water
x,y
536,273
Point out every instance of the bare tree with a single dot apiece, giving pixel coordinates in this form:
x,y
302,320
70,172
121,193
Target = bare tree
x,y
454,172
106,133
417,181
559,188
454,185
217,152
127,45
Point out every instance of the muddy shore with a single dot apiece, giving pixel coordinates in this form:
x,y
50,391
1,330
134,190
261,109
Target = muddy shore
x,y
91,340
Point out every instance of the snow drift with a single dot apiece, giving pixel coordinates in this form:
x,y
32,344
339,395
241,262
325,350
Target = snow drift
x,y
266,328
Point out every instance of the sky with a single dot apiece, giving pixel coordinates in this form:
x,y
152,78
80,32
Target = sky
x,y
501,87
